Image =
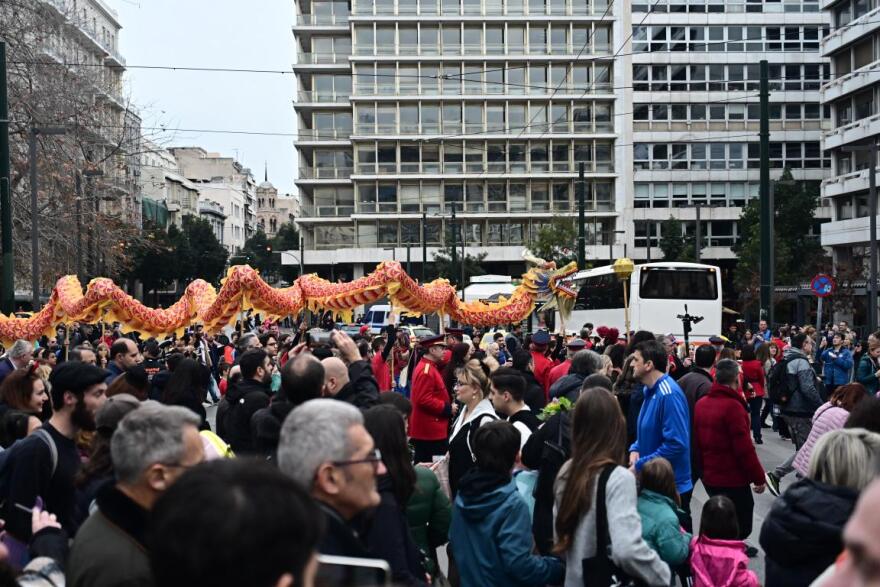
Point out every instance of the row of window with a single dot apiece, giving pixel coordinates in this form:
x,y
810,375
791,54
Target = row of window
x,y
727,77
855,107
477,157
482,78
437,232
715,233
695,156
466,39
480,196
730,6
560,116
718,194
729,39
724,111
850,207
850,10
480,7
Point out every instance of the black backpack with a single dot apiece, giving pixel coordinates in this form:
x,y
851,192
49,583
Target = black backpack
x,y
781,385
553,455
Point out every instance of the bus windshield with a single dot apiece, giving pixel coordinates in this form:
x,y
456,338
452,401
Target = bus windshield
x,y
599,292
678,284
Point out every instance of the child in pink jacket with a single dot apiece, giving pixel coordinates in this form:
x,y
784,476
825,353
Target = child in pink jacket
x,y
718,558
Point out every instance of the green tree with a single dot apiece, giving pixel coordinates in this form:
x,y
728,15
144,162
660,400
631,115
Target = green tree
x,y
257,252
209,257
152,260
797,254
675,245
557,241
286,239
443,266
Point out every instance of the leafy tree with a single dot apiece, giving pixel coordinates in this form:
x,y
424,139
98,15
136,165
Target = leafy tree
x,y
152,260
257,252
557,241
443,266
797,255
286,239
209,257
674,244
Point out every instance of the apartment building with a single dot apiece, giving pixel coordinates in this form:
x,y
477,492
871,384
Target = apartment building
x,y
481,109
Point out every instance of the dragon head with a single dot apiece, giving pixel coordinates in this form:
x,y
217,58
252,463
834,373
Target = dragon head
x,y
545,279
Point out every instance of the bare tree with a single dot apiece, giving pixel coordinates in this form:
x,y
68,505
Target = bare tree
x,y
64,72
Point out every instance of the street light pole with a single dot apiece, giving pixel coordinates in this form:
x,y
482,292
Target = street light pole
x,y
424,244
582,243
454,245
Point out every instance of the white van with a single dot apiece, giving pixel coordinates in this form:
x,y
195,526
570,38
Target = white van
x,y
378,317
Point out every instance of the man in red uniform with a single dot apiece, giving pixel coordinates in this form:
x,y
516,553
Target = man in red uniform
x,y
561,370
538,347
431,405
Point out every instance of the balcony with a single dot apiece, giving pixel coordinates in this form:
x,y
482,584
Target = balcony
x,y
389,90
321,58
488,8
323,134
848,34
334,173
854,81
853,132
480,50
327,211
322,20
855,181
320,97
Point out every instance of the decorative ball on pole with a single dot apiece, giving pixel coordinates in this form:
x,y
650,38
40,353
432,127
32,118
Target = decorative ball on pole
x,y
624,268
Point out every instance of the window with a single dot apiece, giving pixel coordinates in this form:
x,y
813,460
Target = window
x,y
677,284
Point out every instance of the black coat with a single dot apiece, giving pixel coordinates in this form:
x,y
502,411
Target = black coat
x,y
266,426
340,537
568,386
361,391
801,536
534,394
243,399
388,537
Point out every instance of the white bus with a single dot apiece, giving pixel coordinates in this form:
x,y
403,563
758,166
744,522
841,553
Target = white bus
x,y
658,293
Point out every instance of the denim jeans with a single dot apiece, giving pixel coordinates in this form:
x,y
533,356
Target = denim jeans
x,y
755,405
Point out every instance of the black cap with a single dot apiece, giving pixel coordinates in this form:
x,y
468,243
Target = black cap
x,y
76,377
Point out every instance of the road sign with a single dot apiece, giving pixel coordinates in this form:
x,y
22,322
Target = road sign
x,y
822,285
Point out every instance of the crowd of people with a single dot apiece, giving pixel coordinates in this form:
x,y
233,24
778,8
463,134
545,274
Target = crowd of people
x,y
469,458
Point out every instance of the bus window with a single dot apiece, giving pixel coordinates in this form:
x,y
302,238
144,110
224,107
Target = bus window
x,y
600,292
678,284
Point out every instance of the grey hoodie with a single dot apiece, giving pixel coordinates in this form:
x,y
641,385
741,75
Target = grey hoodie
x,y
806,400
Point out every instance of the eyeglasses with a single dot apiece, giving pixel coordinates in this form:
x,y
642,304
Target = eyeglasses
x,y
374,458
460,384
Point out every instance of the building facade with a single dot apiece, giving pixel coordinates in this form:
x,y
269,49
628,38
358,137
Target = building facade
x,y
475,114
273,211
228,183
87,31
213,212
851,96
696,115
163,185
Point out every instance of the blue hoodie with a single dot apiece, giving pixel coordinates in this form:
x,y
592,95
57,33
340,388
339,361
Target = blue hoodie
x,y
491,535
663,430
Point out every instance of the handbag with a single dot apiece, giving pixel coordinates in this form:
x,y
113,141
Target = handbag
x,y
441,470
599,570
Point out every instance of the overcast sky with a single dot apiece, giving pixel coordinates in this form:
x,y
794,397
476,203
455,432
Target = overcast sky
x,y
215,33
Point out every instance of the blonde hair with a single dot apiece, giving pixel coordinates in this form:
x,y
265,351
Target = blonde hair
x,y
476,374
607,364
847,457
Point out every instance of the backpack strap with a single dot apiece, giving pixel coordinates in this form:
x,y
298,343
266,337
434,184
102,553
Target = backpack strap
x,y
44,435
603,538
474,425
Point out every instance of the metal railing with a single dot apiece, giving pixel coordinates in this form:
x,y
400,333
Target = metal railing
x,y
325,172
322,19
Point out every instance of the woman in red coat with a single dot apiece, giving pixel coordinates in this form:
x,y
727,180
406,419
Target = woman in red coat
x,y
753,375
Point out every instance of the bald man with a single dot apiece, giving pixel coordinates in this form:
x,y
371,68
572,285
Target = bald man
x,y
352,382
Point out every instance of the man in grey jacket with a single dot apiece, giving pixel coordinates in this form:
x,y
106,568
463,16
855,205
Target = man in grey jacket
x,y
805,400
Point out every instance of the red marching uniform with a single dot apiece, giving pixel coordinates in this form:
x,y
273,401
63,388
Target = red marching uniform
x,y
542,370
558,372
430,402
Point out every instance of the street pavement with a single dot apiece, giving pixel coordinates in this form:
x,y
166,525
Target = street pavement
x,y
773,452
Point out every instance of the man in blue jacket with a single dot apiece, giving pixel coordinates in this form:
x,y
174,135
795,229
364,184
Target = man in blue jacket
x,y
491,534
663,428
